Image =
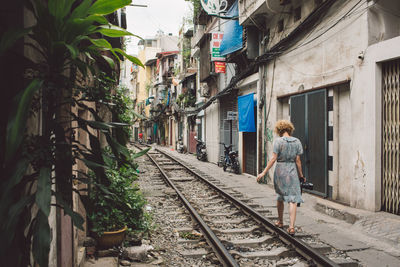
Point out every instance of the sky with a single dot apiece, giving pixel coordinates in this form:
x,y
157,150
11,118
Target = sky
x,y
165,15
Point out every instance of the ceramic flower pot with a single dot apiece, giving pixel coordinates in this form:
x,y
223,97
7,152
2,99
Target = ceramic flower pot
x,y
111,239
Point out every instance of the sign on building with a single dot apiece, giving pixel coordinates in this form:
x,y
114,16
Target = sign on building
x,y
214,7
220,67
231,115
216,39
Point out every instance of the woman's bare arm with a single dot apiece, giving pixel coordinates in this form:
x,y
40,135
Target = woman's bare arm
x,y
269,165
298,164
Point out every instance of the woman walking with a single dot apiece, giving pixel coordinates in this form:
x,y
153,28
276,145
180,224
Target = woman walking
x,y
286,152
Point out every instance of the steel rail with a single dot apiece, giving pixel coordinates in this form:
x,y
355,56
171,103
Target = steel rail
x,y
222,253
301,247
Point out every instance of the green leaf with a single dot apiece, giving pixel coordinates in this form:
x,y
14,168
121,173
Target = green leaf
x,y
117,147
82,66
43,193
82,10
76,217
101,43
73,50
18,117
104,7
10,37
141,153
89,56
98,18
16,209
109,61
99,125
41,239
92,164
114,31
16,176
59,8
138,115
134,60
118,124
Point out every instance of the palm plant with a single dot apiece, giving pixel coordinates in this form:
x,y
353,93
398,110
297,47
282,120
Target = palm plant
x,y
69,39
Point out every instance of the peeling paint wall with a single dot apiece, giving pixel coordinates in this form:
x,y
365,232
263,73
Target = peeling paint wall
x,y
325,57
212,132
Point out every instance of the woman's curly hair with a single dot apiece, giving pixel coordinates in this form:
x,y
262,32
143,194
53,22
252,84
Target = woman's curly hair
x,y
283,126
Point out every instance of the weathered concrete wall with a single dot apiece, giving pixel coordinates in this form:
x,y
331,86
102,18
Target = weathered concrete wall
x,y
212,132
322,58
383,21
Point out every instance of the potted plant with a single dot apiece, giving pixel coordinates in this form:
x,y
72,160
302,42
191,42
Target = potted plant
x,y
118,207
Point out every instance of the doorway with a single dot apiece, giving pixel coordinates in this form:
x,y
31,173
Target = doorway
x,y
308,113
250,153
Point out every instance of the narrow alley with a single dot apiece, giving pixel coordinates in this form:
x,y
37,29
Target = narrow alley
x,y
200,133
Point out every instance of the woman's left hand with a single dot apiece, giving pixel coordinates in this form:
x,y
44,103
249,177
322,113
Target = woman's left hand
x,y
259,177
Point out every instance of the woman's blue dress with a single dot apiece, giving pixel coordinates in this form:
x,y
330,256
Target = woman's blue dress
x,y
286,178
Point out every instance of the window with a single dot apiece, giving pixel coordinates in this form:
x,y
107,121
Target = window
x,y
280,25
297,13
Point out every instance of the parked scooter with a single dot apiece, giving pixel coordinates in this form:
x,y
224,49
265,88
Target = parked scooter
x,y
231,159
179,146
201,152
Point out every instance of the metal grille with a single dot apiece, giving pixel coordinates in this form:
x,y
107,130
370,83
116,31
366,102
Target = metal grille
x,y
228,104
391,137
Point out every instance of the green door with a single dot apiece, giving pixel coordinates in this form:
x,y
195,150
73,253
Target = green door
x,y
308,113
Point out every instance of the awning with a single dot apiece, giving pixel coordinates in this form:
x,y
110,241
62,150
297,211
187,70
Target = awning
x,y
187,75
246,113
233,32
150,61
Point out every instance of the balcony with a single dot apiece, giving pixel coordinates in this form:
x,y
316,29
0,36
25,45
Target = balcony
x,y
253,8
198,35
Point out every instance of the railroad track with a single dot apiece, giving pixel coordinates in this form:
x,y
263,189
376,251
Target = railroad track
x,y
239,232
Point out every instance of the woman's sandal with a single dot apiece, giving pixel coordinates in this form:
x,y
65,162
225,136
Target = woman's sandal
x,y
279,224
291,231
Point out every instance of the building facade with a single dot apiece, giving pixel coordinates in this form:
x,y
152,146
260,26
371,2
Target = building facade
x,y
328,66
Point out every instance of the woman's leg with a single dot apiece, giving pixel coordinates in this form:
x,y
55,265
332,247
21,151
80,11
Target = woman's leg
x,y
279,206
292,213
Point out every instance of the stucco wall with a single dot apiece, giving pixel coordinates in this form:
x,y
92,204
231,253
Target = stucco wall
x,y
212,132
322,59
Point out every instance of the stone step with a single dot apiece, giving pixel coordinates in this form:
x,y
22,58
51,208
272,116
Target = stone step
x,y
221,214
180,220
205,202
346,262
175,213
188,241
216,208
252,243
205,198
173,168
321,248
272,254
262,210
235,221
182,179
194,253
237,230
183,229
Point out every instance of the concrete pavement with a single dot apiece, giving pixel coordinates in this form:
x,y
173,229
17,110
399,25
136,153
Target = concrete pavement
x,y
372,238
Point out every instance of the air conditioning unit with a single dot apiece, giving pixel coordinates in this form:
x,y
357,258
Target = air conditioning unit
x,y
204,90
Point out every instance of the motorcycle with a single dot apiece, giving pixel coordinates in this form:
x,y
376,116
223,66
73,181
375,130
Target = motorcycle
x,y
230,159
201,152
179,146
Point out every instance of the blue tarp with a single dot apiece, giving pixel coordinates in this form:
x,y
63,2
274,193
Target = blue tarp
x,y
232,40
246,113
